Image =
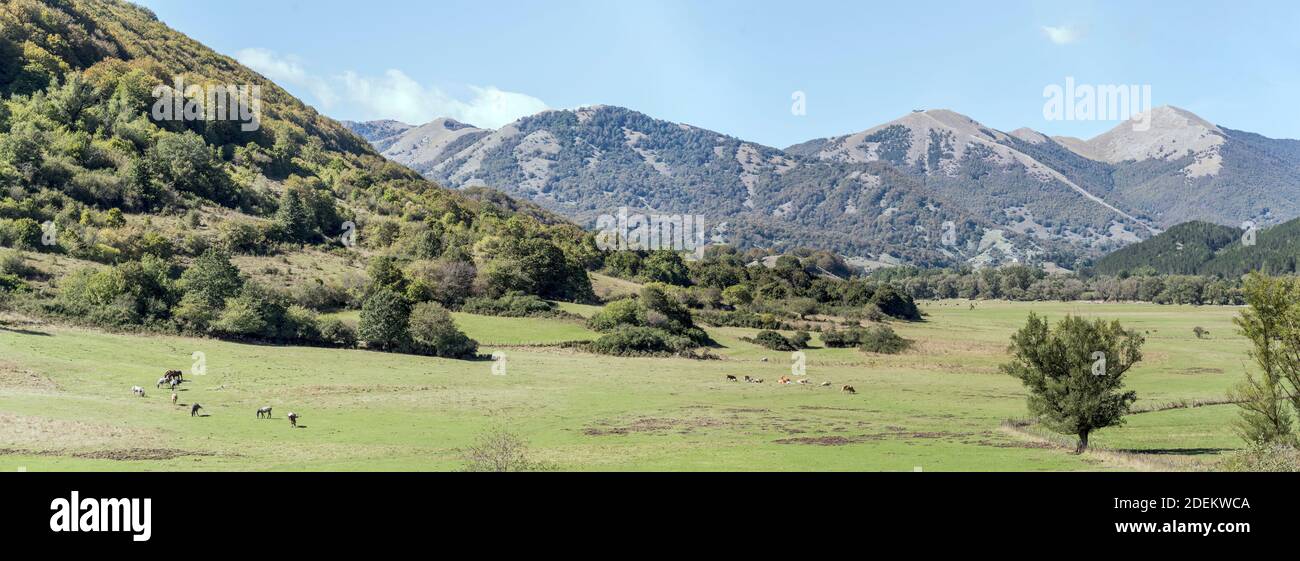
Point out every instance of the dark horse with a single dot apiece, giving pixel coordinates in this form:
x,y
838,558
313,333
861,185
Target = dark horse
x,y
194,409
264,411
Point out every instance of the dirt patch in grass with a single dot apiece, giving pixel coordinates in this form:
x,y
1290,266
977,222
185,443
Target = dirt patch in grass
x,y
1198,370
13,377
656,425
121,455
22,431
843,440
318,390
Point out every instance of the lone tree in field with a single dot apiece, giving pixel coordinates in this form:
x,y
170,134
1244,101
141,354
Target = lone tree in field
x,y
1271,322
1075,373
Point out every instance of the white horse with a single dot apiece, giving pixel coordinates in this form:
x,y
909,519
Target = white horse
x,y
162,381
138,391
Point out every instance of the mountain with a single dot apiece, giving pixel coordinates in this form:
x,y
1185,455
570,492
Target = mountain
x,y
1203,248
594,160
1184,168
1014,197
995,174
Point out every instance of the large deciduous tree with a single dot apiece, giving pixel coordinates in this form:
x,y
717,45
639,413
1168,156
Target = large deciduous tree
x,y
1074,372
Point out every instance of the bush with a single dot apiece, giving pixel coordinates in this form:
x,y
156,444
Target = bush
x,y
773,340
433,332
836,339
641,341
512,304
1265,458
334,331
894,303
882,339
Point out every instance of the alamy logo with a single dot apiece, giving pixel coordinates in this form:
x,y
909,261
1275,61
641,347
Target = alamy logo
x,y
181,102
653,232
75,514
1105,102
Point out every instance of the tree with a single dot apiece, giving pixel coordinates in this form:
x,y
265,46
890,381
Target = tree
x,y
1075,373
1270,323
212,278
894,303
384,318
434,332
667,267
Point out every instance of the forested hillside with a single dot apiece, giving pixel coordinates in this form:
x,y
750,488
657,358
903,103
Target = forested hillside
x,y
1201,248
86,172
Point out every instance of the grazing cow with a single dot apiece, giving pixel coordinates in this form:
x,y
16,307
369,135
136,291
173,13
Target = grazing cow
x,y
848,389
764,359
264,411
731,378
138,391
784,380
748,379
194,410
293,419
758,380
173,399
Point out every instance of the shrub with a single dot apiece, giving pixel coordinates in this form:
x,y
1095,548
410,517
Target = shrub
x,y
894,303
882,339
336,332
640,341
773,340
512,304
433,332
837,339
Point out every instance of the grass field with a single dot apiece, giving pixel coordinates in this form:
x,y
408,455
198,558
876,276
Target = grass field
x,y
65,401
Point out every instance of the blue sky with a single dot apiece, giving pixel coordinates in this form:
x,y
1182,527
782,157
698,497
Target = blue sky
x,y
732,66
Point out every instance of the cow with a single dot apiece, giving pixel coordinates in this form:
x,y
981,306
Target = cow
x,y
293,419
803,381
785,380
194,410
826,384
748,379
848,389
758,380
138,391
264,412
731,378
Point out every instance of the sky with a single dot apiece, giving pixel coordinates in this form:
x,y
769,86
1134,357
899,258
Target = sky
x,y
747,68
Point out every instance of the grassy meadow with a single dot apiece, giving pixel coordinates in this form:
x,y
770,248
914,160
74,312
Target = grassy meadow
x,y
66,404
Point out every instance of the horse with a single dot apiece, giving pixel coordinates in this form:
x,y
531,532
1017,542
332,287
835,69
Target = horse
x,y
194,410
293,419
161,381
731,378
173,399
261,411
138,391
848,389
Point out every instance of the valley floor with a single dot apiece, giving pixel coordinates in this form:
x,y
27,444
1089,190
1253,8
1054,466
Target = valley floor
x,y
66,404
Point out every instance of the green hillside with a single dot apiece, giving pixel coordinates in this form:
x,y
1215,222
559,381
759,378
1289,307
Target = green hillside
x,y
1201,248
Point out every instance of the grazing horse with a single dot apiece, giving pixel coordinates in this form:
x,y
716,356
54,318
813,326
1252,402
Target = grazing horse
x,y
731,378
194,410
161,381
173,399
264,411
138,391
293,419
175,384
848,389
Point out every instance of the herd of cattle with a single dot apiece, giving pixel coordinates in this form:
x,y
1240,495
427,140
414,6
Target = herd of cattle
x,y
786,380
173,380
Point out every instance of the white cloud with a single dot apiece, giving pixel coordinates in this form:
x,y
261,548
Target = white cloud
x,y
1062,35
394,95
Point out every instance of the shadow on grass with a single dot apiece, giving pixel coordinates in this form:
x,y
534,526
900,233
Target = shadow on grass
x,y
1177,451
